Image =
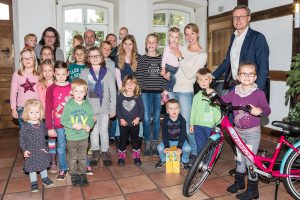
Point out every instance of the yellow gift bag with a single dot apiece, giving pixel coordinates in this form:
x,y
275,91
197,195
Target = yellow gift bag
x,y
172,161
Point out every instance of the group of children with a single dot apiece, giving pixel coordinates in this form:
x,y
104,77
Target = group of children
x,y
80,98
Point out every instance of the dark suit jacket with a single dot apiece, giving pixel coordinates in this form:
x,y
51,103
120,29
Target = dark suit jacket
x,y
255,50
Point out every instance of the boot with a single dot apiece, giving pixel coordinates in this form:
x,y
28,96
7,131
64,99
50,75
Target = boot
x,y
53,167
122,156
251,192
238,184
136,154
147,151
154,148
95,157
106,158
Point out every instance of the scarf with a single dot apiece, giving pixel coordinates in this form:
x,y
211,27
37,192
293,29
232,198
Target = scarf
x,y
242,93
99,87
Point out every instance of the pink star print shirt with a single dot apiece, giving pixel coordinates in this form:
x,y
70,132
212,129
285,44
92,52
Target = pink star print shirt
x,y
23,88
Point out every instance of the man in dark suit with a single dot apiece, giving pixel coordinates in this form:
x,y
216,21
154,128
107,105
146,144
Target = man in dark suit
x,y
246,45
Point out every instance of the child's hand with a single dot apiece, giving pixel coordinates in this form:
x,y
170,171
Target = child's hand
x,y
94,118
136,121
111,115
52,133
77,126
26,154
167,150
162,72
178,151
14,113
209,91
167,76
87,128
191,129
255,110
123,122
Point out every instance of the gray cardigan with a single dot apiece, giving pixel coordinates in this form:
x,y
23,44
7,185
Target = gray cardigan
x,y
109,93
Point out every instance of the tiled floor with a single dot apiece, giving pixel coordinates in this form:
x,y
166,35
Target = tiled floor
x,y
119,183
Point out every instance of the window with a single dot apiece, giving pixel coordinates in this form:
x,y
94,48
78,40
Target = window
x,y
4,11
77,19
163,20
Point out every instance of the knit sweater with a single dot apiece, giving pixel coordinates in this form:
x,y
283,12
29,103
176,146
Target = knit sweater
x,y
148,74
174,131
108,105
186,74
56,98
203,113
22,88
75,113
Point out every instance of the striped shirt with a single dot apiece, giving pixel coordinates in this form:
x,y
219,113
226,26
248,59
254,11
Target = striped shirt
x,y
148,74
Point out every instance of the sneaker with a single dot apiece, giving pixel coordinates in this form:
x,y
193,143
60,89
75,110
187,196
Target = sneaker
x,y
53,169
89,171
121,162
159,164
47,182
84,181
76,181
111,141
34,186
137,161
61,175
186,166
106,158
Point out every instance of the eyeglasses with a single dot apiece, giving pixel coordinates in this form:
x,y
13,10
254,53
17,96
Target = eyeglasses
x,y
29,58
247,74
94,57
242,17
50,36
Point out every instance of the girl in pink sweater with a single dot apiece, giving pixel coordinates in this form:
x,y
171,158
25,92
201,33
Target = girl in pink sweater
x,y
23,84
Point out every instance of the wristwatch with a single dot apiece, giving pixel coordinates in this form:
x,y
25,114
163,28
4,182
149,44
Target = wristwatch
x,y
180,58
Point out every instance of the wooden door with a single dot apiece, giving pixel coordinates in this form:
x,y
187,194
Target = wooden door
x,y
219,32
6,63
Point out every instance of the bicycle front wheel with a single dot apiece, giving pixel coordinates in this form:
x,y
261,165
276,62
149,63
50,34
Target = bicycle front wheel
x,y
292,167
201,167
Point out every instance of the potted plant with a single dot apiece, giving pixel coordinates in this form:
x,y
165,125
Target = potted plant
x,y
293,93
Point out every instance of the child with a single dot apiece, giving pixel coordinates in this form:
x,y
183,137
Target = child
x,y
130,111
30,41
57,96
79,64
46,53
23,84
169,62
77,40
33,144
77,119
203,115
247,126
174,134
46,79
102,96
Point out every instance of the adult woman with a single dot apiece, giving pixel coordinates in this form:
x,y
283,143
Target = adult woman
x,y
191,58
50,37
152,84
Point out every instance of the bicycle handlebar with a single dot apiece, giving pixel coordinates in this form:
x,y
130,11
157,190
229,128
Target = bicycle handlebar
x,y
227,106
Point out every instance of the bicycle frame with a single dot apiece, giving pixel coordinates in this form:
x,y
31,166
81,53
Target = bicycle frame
x,y
258,161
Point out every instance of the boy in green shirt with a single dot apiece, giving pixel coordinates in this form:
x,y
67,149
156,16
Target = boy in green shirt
x,y
77,119
203,115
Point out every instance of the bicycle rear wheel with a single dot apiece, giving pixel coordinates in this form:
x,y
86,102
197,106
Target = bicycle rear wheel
x,y
292,167
201,167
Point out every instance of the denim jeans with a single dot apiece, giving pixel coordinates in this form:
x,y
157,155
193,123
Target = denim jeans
x,y
186,150
62,149
114,130
33,176
152,105
20,112
171,82
202,134
186,99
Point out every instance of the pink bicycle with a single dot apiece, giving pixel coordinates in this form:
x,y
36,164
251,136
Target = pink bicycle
x,y
205,161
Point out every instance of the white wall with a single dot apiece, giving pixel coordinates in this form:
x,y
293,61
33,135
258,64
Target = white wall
x,y
258,5
220,6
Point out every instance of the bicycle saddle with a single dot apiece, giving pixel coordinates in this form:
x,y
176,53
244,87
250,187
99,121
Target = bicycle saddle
x,y
292,127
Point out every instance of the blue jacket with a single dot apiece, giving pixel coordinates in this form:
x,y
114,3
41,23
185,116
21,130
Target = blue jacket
x,y
255,50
